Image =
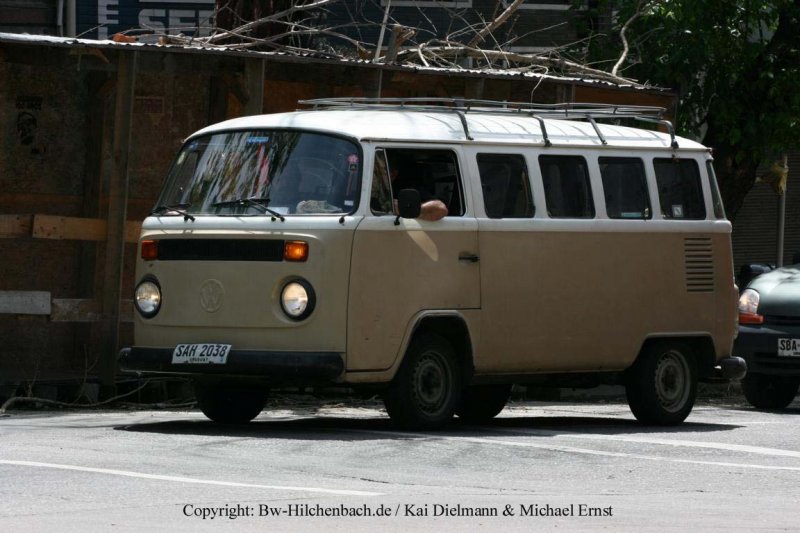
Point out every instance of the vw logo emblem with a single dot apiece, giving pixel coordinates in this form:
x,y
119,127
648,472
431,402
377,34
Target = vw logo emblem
x,y
211,295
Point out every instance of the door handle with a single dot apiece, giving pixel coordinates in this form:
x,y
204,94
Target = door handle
x,y
468,258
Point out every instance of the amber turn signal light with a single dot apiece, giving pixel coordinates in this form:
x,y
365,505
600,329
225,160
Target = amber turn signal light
x,y
149,250
295,251
750,318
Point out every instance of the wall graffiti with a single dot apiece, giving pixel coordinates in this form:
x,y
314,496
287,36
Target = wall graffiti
x,y
28,125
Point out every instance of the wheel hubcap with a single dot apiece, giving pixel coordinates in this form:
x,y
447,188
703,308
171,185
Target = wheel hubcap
x,y
672,381
431,383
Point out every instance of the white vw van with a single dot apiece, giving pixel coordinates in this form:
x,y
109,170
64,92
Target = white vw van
x,y
294,250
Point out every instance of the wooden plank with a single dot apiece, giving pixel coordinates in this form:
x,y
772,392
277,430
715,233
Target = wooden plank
x,y
75,310
84,310
254,83
15,226
25,302
60,228
81,229
132,230
126,310
118,189
70,203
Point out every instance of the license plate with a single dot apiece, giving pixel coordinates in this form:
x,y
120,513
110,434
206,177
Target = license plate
x,y
201,354
789,347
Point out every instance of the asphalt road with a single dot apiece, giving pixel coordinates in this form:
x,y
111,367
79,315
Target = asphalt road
x,y
540,466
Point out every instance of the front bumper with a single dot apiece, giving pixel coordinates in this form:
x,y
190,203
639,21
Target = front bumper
x,y
758,345
294,367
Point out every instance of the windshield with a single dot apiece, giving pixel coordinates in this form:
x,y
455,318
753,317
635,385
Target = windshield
x,y
263,172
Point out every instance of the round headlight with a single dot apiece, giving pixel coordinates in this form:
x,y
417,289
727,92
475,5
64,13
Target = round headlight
x,y
748,301
297,299
147,298
748,308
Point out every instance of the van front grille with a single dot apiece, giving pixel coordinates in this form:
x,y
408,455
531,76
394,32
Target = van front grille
x,y
220,250
699,264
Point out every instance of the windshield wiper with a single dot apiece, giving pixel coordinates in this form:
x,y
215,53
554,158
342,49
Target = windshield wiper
x,y
260,203
178,209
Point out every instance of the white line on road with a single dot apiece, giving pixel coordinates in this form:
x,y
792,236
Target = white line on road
x,y
189,479
572,449
758,450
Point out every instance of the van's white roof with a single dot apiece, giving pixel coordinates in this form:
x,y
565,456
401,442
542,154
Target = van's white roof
x,y
431,126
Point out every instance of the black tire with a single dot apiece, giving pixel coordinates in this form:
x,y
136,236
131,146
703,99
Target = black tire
x,y
769,392
481,403
229,403
661,386
427,388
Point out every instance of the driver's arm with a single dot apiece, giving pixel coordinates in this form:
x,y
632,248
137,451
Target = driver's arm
x,y
433,210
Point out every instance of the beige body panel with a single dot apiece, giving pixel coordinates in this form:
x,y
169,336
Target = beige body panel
x,y
470,317
583,300
398,273
250,316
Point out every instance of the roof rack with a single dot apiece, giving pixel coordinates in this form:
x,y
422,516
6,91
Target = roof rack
x,y
460,106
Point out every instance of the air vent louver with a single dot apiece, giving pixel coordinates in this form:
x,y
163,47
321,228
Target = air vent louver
x,y
699,264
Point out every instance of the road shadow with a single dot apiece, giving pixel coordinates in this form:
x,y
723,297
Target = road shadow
x,y
325,427
601,425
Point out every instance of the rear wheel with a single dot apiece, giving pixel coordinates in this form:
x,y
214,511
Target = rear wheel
x,y
661,386
769,392
426,389
229,403
481,403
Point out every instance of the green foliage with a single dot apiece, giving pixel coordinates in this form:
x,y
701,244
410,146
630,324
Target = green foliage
x,y
734,63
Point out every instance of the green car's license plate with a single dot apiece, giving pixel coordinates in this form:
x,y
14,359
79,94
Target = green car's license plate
x,y
789,347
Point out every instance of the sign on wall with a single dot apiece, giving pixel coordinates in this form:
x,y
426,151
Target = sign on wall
x,y
100,19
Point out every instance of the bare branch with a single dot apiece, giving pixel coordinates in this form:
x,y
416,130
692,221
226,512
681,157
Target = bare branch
x,y
272,18
640,9
449,49
421,55
496,23
302,29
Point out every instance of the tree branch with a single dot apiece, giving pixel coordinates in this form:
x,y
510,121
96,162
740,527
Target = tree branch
x,y
640,9
272,18
496,23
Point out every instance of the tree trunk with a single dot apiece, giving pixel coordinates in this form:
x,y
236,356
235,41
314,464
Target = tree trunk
x,y
735,176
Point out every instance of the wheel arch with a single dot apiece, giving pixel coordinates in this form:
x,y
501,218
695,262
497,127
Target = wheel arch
x,y
454,328
701,350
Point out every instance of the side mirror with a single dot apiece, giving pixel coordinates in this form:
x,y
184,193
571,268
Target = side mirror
x,y
409,203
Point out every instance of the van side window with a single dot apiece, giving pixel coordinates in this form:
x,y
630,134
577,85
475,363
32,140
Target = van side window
x,y
716,197
381,196
625,187
679,190
432,172
505,185
567,190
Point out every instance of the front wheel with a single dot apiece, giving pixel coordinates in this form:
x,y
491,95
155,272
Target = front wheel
x,y
661,386
769,392
229,403
426,389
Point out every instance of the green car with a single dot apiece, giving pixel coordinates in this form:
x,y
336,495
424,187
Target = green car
x,y
769,337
